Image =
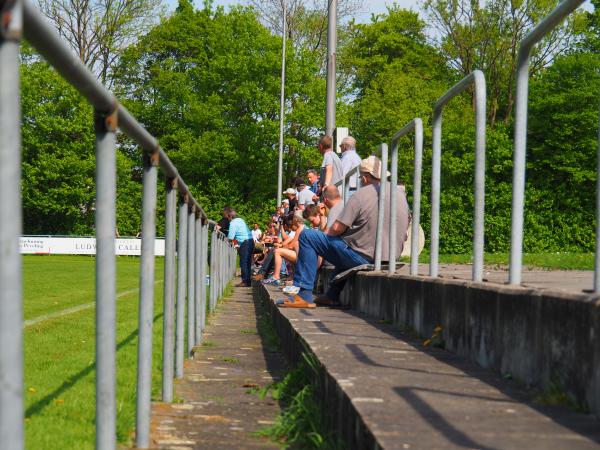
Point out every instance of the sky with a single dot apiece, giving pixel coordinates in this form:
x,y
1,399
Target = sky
x,y
369,6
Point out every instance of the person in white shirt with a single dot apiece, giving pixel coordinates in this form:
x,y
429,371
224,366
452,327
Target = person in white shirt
x,y
350,160
256,233
305,195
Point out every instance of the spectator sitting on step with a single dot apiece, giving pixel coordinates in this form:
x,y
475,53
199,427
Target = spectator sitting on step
x,y
334,203
286,251
239,231
349,241
287,236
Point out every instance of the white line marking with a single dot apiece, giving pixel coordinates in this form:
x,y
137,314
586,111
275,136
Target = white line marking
x,y
75,309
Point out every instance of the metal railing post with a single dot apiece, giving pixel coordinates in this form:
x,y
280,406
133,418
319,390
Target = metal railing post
x,y
106,191
213,272
11,295
146,308
169,290
191,280
476,77
597,256
563,9
383,149
181,287
198,281
417,126
203,273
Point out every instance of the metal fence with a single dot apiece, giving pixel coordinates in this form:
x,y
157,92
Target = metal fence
x,y
20,18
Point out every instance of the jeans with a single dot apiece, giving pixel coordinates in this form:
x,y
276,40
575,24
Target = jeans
x,y
245,252
314,243
267,262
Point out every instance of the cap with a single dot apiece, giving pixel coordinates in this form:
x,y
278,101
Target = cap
x,y
371,165
290,191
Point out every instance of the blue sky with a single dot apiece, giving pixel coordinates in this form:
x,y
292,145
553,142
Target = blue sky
x,y
369,6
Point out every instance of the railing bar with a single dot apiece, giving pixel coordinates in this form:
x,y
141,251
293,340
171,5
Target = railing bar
x,y
383,148
191,280
181,288
106,187
478,79
146,307
203,256
11,295
563,9
169,291
393,205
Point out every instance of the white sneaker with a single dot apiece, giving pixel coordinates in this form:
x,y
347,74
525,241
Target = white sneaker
x,y
292,290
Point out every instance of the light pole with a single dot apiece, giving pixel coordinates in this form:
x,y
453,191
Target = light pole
x,y
331,67
281,110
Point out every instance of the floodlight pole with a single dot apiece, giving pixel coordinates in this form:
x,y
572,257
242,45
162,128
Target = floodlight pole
x,y
331,67
281,108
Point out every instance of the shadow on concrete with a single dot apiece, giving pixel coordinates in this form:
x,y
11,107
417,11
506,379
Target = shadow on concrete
x,y
42,403
583,424
454,435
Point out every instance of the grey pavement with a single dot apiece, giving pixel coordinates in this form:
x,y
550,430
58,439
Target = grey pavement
x,y
565,280
399,394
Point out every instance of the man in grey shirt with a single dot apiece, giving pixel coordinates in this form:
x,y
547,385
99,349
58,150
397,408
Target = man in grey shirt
x,y
350,240
331,167
333,201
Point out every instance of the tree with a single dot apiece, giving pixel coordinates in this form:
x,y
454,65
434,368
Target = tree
x,y
206,83
487,37
99,30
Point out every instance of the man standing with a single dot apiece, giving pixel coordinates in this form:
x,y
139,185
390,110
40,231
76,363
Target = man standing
x,y
223,224
256,233
350,160
331,167
350,240
238,230
305,195
313,179
291,197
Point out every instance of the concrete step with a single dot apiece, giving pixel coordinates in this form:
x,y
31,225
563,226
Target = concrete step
x,y
382,388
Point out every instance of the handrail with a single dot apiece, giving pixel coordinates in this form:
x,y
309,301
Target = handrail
x,y
477,78
21,17
416,125
343,183
563,9
383,149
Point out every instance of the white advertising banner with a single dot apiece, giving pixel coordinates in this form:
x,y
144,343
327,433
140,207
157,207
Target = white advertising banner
x,y
83,246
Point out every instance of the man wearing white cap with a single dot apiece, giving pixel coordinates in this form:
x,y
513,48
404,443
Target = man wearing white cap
x,y
350,241
291,195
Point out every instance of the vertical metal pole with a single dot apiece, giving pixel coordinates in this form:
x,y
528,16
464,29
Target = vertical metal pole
x,y
199,281
181,287
282,108
479,198
11,300
435,192
146,308
383,148
416,213
213,271
203,276
393,205
106,187
597,256
331,67
169,291
191,333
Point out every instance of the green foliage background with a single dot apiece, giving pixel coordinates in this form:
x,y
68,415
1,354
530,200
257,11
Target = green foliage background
x,y
206,83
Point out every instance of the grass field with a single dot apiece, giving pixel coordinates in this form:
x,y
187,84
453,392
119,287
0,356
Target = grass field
x,y
60,352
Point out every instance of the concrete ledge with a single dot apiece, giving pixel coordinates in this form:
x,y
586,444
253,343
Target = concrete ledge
x,y
380,388
543,338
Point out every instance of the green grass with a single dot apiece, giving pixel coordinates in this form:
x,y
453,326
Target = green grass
x,y
556,261
59,353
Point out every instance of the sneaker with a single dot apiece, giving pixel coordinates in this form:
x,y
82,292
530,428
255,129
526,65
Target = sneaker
x,y
292,290
272,281
298,302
